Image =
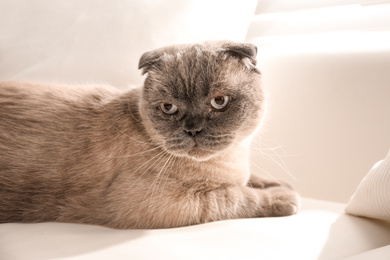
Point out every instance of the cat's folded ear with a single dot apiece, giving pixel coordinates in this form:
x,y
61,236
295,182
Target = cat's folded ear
x,y
246,52
148,59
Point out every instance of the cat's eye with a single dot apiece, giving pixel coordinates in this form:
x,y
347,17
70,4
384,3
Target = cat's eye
x,y
220,102
168,109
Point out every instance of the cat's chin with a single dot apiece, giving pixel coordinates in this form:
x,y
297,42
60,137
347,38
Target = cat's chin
x,y
196,154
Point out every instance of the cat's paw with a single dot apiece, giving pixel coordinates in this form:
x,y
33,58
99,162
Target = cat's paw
x,y
283,202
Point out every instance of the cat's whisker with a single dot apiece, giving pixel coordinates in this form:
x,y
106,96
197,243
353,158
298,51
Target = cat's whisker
x,y
138,141
280,162
161,158
131,155
151,188
162,172
152,167
166,172
165,157
264,171
267,149
159,155
262,143
273,150
283,164
167,177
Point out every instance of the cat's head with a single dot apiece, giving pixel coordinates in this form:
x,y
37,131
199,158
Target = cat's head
x,y
199,100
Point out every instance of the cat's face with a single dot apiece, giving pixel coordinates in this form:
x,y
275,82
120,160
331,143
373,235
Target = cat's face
x,y
198,100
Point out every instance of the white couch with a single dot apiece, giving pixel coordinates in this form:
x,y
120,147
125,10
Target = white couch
x,y
75,41
319,231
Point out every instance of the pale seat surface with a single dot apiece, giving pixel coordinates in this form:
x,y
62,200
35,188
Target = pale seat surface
x,y
321,230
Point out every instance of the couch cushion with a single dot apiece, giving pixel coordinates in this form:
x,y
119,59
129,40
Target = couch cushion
x,y
319,231
372,197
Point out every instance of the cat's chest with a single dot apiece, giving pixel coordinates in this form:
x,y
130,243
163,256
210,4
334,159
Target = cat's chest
x,y
223,171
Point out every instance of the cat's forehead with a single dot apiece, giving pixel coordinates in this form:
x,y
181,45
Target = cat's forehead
x,y
194,73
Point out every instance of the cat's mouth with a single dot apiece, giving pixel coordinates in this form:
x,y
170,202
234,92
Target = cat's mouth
x,y
198,148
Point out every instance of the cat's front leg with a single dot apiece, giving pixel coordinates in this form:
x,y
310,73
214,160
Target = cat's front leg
x,y
200,204
246,202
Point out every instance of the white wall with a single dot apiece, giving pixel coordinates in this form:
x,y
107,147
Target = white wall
x,y
329,118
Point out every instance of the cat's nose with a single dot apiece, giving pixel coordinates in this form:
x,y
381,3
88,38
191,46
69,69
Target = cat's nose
x,y
193,125
192,133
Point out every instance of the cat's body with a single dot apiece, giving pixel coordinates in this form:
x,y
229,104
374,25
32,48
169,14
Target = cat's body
x,y
153,157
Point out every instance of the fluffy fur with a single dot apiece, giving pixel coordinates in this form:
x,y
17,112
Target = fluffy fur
x,y
97,155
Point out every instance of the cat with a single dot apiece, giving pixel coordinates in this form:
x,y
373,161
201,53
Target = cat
x,y
171,153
